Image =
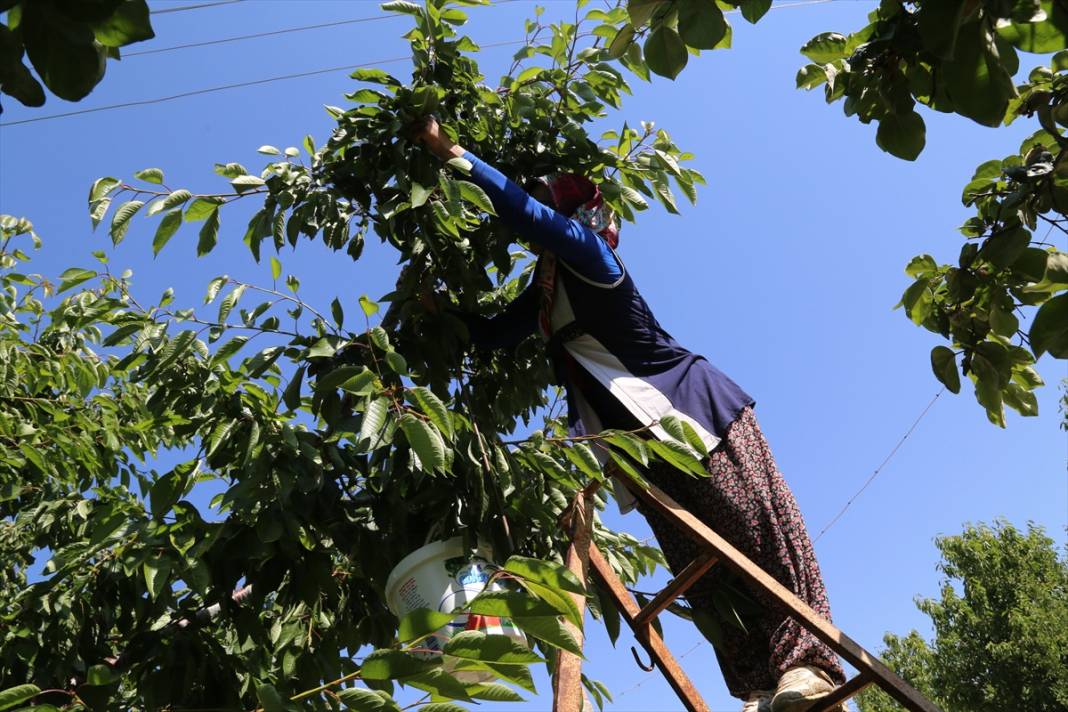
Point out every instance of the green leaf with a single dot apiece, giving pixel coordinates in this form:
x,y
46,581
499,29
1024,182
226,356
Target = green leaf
x,y
508,604
665,52
74,276
16,695
369,307
494,692
826,47
461,164
420,195
376,76
380,338
393,665
1049,330
165,493
476,196
561,601
397,363
166,229
229,302
641,11
120,223
939,23
583,458
360,384
209,234
1003,248
619,44
102,187
372,428
268,150
679,456
550,630
337,312
322,348
201,208
1057,267
361,700
291,395
157,571
276,268
440,684
902,135
483,647
1049,35
425,441
433,408
944,365
545,572
701,23
97,210
270,699
178,197
129,23
442,707
975,79
420,623
404,6
150,175
753,10
810,76
243,184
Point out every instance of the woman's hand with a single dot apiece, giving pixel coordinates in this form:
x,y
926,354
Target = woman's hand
x,y
428,132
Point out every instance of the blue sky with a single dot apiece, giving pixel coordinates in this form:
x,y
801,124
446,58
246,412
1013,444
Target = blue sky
x,y
784,274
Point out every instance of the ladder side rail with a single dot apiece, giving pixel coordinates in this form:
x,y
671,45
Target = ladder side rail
x,y
838,641
568,694
646,635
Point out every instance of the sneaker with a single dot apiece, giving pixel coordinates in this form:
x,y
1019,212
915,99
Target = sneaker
x,y
759,701
799,688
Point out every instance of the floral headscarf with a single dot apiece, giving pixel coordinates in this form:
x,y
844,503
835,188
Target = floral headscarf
x,y
580,199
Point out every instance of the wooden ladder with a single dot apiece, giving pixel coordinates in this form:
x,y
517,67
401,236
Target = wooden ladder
x,y
583,556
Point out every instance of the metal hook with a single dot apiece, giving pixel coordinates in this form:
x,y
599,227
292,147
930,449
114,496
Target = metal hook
x,y
643,666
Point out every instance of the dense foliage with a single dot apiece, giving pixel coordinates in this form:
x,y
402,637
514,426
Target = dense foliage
x,y
68,42
962,56
1000,627
339,439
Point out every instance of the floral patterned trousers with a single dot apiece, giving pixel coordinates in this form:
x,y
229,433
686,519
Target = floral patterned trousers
x,y
747,502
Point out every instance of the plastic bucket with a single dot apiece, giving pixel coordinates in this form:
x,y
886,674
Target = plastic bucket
x,y
444,576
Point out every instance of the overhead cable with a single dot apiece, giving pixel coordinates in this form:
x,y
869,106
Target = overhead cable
x,y
225,87
200,6
879,468
239,38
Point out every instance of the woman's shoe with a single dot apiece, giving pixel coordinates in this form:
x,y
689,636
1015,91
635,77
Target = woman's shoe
x,y
799,688
759,701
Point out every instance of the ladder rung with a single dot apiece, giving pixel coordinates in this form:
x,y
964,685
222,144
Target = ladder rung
x,y
843,693
679,585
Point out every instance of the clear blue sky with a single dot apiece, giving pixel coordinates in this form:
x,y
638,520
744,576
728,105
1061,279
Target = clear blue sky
x,y
784,274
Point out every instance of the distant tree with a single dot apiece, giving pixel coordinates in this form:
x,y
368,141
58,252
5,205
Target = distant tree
x,y
68,43
1001,627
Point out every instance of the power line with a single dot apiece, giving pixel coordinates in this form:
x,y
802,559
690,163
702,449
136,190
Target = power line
x,y
880,467
183,8
239,38
210,90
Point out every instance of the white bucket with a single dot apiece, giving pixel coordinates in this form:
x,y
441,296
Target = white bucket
x,y
444,576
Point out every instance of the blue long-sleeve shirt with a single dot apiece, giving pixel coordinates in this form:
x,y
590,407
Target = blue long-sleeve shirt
x,y
583,249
